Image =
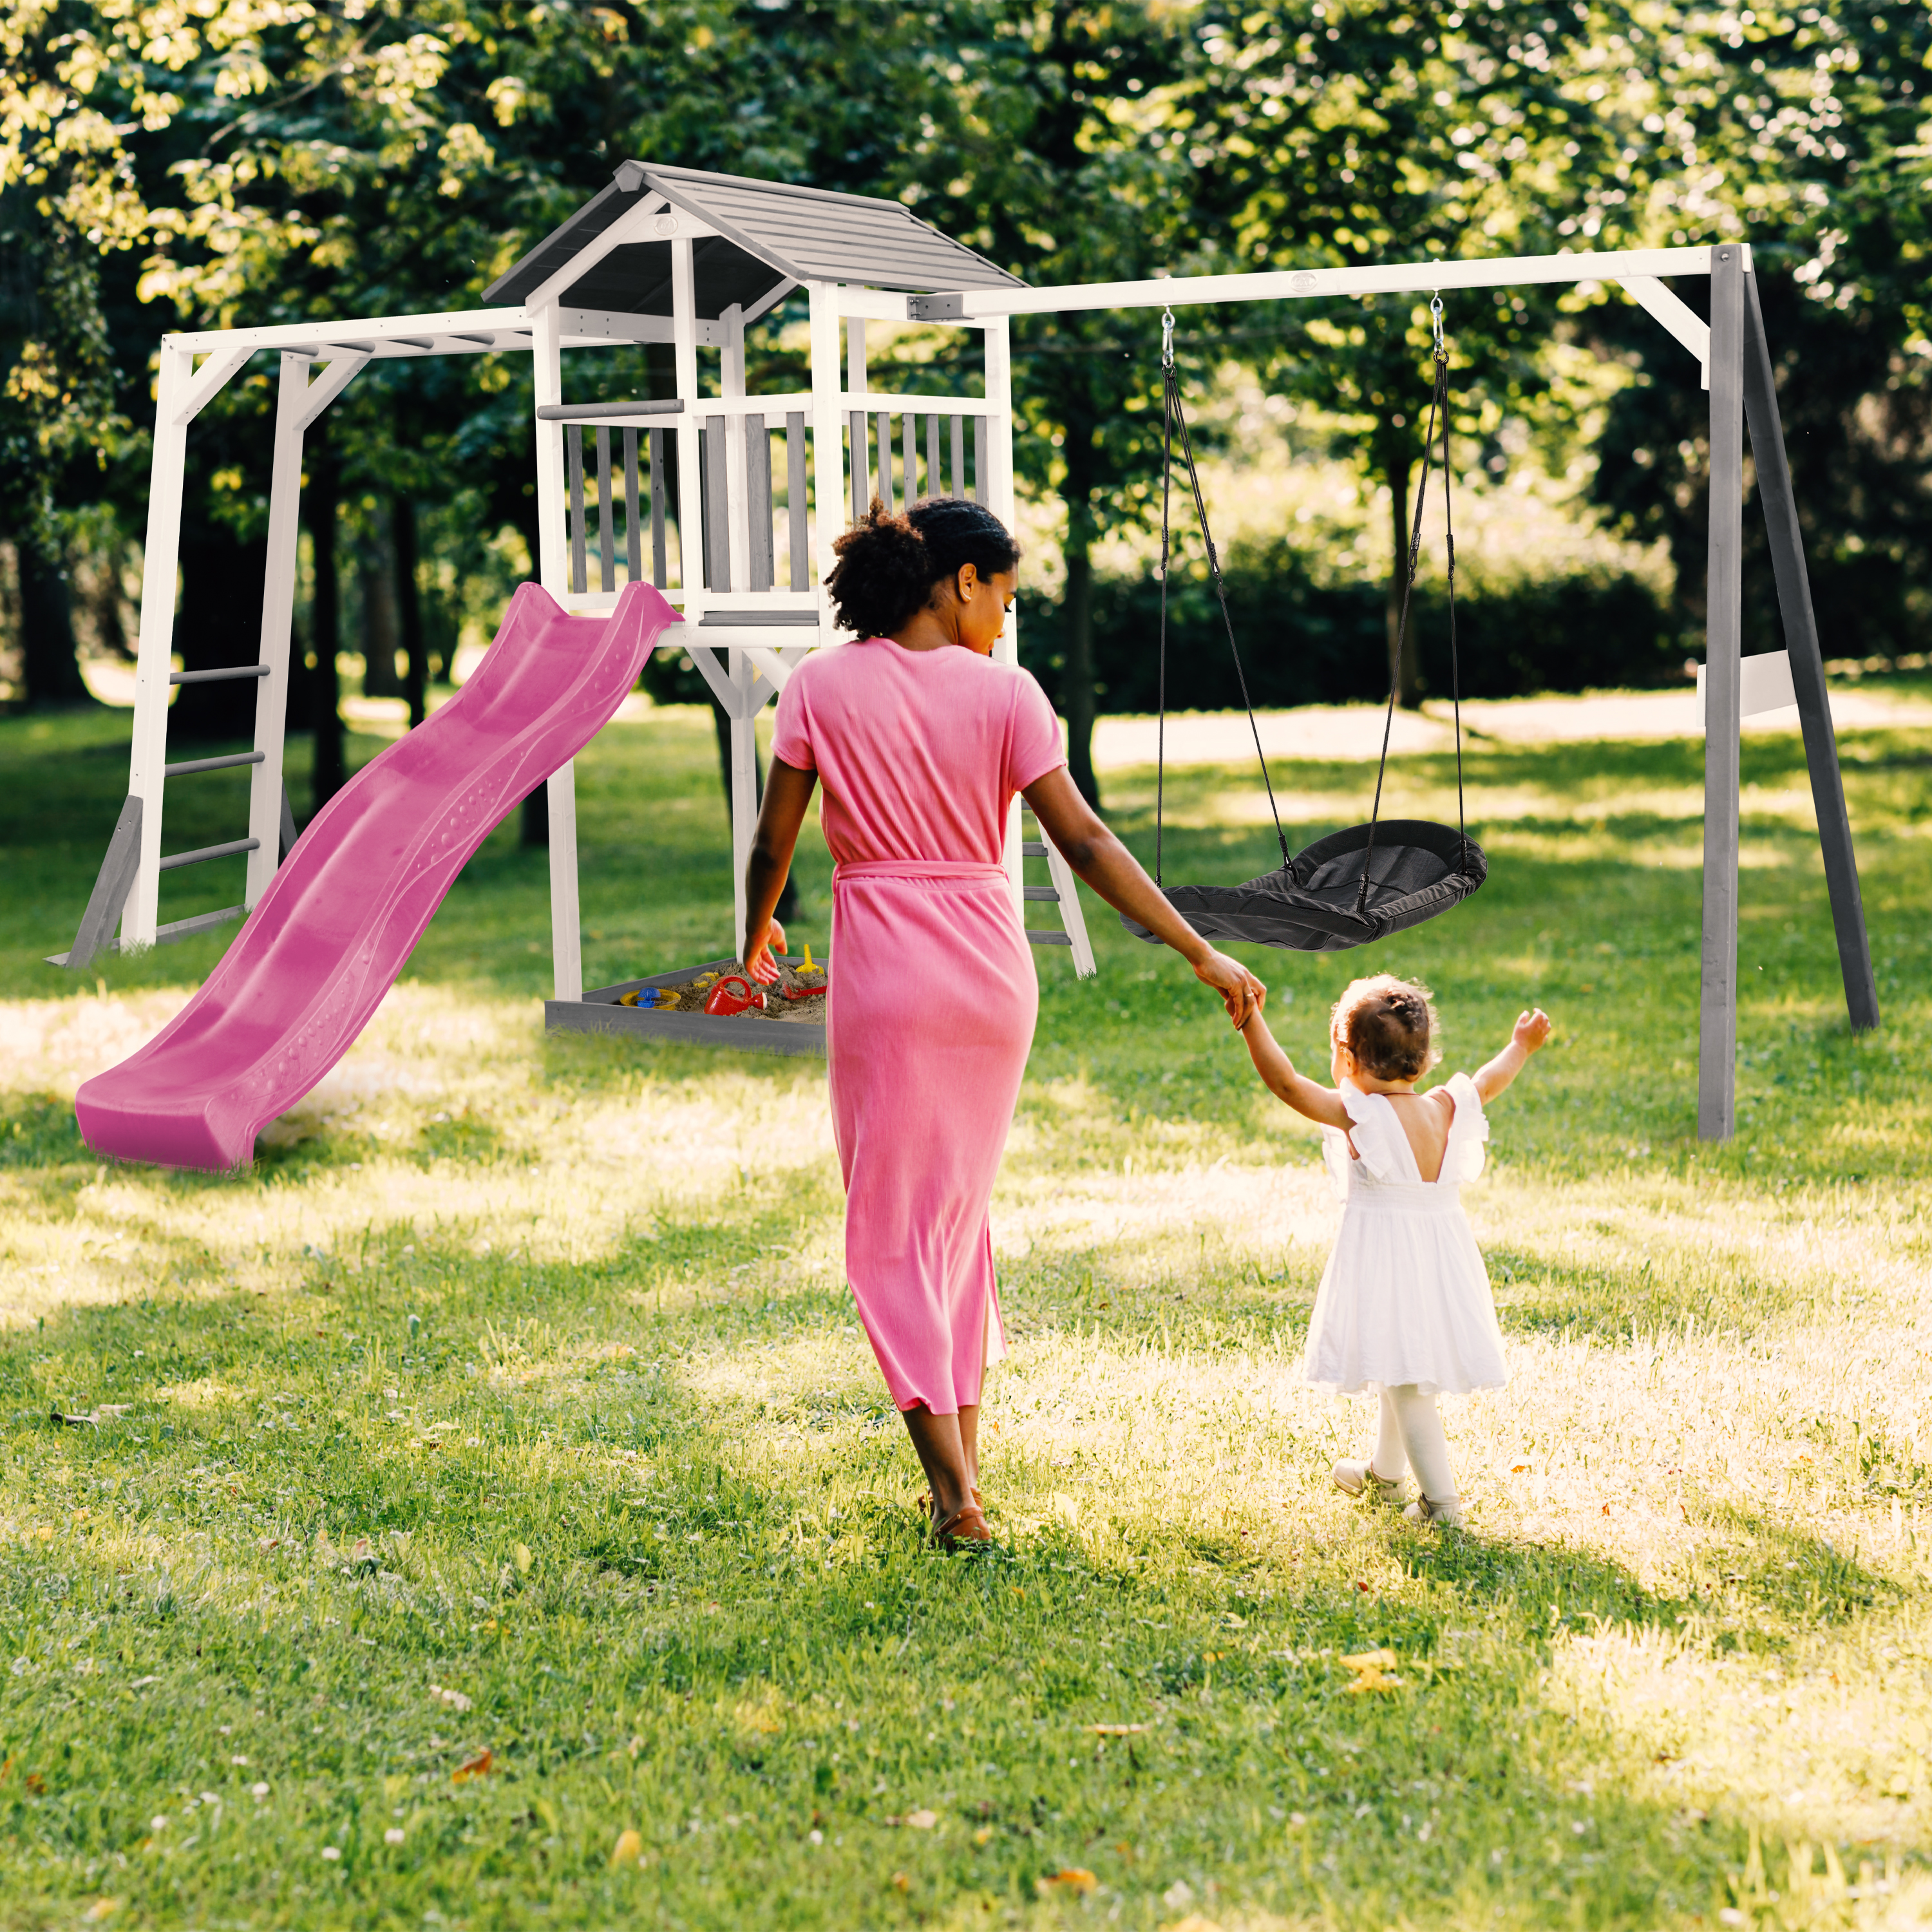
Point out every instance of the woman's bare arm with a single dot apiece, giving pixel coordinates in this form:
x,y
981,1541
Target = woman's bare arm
x,y
788,792
1322,1104
1100,858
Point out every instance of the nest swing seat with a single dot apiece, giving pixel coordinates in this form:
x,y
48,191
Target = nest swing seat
x,y
1367,881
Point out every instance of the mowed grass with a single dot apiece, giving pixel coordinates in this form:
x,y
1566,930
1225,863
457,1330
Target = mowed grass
x,y
497,1469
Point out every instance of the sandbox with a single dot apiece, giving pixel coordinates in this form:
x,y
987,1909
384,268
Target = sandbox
x,y
783,1026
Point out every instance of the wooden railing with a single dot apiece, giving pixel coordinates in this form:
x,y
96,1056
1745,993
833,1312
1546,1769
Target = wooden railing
x,y
622,484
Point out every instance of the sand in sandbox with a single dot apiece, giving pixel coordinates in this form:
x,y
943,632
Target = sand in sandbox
x,y
777,1008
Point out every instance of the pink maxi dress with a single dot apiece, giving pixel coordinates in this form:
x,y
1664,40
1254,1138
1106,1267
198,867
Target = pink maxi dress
x,y
933,995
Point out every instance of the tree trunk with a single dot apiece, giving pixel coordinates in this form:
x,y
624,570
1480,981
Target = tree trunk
x,y
1076,679
376,568
1406,675
325,629
409,610
50,670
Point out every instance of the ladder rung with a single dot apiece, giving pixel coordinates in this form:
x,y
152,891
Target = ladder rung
x,y
1040,892
188,765
1040,938
1032,848
210,852
215,677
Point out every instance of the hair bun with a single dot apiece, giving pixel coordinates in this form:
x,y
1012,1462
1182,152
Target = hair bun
x,y
889,562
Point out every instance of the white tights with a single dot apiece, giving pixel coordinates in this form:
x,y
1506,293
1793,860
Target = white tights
x,y
1411,1437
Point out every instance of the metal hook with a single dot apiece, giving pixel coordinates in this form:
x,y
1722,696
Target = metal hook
x,y
1435,315
1167,338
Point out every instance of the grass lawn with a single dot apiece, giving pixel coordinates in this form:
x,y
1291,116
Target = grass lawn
x,y
495,1519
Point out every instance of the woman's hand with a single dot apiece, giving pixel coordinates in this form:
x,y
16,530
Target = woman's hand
x,y
1241,993
758,952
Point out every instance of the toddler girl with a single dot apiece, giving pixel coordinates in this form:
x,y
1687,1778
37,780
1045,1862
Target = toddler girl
x,y
1405,1303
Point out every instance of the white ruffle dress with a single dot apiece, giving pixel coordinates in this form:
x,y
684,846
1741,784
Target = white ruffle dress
x,y
1405,1298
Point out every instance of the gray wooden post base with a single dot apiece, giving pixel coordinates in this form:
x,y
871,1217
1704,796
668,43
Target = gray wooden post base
x,y
111,888
1742,387
1717,992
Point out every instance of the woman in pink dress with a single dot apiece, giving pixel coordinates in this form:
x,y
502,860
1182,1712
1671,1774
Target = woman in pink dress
x,y
922,740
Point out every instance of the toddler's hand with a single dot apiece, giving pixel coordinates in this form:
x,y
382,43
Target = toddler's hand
x,y
1241,993
1531,1030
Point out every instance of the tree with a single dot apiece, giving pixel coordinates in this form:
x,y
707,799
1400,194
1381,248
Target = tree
x,y
1800,131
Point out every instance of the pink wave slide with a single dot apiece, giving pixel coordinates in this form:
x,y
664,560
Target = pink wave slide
x,y
339,918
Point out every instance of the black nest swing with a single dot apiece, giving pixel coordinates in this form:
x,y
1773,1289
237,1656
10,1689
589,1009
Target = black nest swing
x,y
1355,886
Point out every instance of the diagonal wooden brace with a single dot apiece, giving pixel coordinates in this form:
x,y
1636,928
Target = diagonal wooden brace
x,y
111,888
1807,667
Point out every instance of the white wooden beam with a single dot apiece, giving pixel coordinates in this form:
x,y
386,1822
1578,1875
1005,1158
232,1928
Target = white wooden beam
x,y
160,558
338,373
378,330
1302,284
1675,314
278,602
210,380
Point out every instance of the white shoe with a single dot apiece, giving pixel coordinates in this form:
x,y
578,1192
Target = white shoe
x,y
1448,1509
1353,1479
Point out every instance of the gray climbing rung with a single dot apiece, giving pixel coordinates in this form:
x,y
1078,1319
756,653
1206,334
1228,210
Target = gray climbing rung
x,y
1040,892
1050,938
211,852
216,677
188,765
1032,848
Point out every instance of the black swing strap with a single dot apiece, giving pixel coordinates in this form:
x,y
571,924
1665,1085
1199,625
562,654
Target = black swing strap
x,y
1175,417
1439,411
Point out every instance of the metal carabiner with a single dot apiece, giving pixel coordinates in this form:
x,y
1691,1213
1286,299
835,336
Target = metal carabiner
x,y
1167,338
1435,316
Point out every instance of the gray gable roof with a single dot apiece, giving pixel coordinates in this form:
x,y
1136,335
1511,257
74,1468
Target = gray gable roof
x,y
769,233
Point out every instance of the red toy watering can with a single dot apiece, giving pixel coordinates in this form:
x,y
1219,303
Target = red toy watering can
x,y
725,999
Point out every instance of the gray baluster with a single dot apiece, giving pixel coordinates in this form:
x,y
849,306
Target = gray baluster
x,y
979,490
862,481
886,460
717,525
958,456
606,555
801,562
759,559
660,565
935,483
573,464
634,537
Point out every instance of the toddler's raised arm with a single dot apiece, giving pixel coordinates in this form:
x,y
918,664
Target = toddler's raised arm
x,y
1531,1030
1278,1074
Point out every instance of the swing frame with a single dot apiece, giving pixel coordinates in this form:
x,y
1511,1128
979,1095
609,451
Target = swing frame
x,y
1737,370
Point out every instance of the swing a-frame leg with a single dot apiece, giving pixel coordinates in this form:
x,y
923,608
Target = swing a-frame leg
x,y
1741,388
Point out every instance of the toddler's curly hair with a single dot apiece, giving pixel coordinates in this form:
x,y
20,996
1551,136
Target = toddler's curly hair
x,y
888,565
1389,1025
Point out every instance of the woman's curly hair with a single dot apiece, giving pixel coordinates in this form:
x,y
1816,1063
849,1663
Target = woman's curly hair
x,y
1389,1025
887,564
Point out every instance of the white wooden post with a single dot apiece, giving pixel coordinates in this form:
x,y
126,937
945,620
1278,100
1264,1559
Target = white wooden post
x,y
553,562
278,605
153,663
828,435
744,786
996,493
690,489
856,381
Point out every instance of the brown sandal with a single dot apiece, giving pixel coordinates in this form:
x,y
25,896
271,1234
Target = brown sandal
x,y
967,1524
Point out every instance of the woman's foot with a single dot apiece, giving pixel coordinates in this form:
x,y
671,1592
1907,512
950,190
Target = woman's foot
x,y
966,1524
1444,1510
1355,1479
